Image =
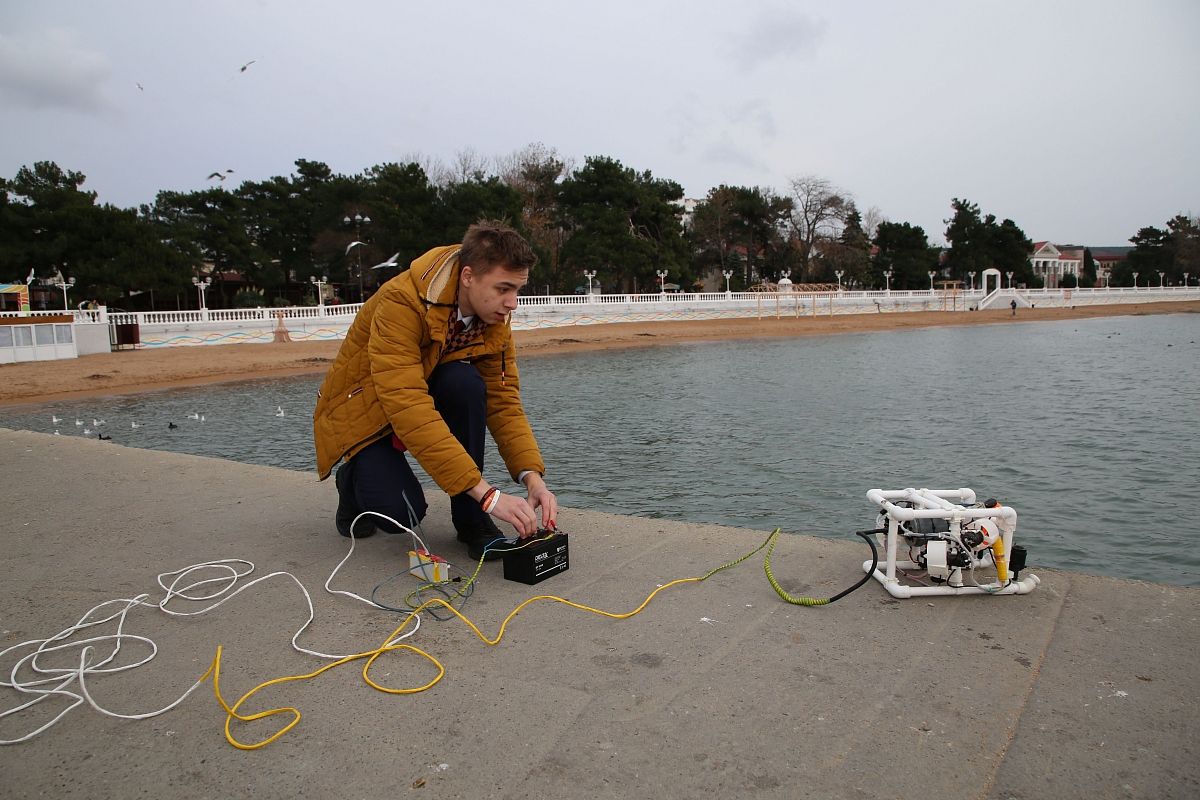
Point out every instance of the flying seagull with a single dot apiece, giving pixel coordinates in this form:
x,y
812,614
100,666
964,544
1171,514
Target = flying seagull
x,y
391,262
352,245
220,176
246,65
29,279
140,87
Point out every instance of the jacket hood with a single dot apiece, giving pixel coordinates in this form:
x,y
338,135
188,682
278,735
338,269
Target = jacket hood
x,y
433,274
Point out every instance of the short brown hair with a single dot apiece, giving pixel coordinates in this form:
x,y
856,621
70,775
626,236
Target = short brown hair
x,y
490,243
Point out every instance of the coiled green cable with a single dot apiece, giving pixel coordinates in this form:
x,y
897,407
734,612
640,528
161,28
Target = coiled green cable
x,y
811,601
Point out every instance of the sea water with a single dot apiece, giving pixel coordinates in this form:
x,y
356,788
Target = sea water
x,y
1090,429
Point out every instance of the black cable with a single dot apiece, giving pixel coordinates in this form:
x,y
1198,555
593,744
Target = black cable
x,y
866,536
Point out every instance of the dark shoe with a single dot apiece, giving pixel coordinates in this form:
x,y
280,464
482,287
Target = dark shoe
x,y
347,509
477,536
476,550
476,529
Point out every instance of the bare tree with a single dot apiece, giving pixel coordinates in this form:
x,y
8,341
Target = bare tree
x,y
535,172
818,212
713,230
435,169
534,158
872,220
468,166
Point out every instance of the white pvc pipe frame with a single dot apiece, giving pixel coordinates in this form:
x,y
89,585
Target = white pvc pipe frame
x,y
936,504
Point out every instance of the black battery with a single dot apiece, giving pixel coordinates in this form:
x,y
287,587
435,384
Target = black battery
x,y
541,560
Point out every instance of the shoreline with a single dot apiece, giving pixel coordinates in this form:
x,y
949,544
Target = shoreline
x,y
138,371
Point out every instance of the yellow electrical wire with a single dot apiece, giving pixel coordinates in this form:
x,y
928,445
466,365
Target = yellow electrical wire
x,y
779,590
460,591
231,711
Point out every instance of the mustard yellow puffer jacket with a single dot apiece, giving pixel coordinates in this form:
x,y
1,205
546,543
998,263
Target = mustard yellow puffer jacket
x,y
377,384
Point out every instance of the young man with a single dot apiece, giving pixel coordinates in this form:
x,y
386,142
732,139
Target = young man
x,y
426,364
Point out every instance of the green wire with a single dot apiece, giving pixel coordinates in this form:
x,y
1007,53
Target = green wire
x,y
779,590
813,601
464,589
769,544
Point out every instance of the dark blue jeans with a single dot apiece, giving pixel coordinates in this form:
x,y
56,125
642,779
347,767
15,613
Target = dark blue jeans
x,y
381,476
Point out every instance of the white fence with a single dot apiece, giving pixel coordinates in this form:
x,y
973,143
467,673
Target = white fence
x,y
314,323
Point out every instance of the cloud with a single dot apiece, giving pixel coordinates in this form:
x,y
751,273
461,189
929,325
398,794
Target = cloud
x,y
717,143
726,152
754,116
778,33
51,69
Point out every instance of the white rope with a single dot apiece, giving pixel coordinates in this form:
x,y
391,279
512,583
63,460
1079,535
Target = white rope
x,y
187,584
352,595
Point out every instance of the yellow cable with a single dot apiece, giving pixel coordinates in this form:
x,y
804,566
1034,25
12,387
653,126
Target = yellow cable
x,y
779,590
460,592
231,712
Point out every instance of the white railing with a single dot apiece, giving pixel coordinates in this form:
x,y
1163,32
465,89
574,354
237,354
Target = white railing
x,y
213,326
48,312
96,315
235,315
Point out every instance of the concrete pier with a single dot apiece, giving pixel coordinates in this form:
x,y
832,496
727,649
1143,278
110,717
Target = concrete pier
x,y
1084,689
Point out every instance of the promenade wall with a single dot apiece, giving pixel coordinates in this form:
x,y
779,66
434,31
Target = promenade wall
x,y
313,323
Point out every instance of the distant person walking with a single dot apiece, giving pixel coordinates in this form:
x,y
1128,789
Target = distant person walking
x,y
1013,305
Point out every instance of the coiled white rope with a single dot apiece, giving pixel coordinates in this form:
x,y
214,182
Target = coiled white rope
x,y
98,653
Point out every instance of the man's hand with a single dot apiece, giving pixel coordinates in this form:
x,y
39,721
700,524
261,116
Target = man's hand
x,y
522,513
543,498
516,511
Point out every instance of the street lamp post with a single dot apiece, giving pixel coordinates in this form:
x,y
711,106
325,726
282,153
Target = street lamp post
x,y
589,274
1135,280
662,280
887,277
358,220
931,274
728,273
1009,274
838,274
1160,279
971,275
320,284
201,288
66,284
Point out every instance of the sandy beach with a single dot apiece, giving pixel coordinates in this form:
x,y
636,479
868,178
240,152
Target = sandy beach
x,y
133,371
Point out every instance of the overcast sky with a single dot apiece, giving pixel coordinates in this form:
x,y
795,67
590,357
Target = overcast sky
x,y
1078,120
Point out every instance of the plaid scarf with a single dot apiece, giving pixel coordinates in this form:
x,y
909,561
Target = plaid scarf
x,y
458,336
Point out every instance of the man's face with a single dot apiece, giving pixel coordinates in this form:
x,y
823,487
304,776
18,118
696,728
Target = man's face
x,y
492,295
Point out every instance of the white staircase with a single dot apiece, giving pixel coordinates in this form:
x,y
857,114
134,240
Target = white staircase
x,y
1002,298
